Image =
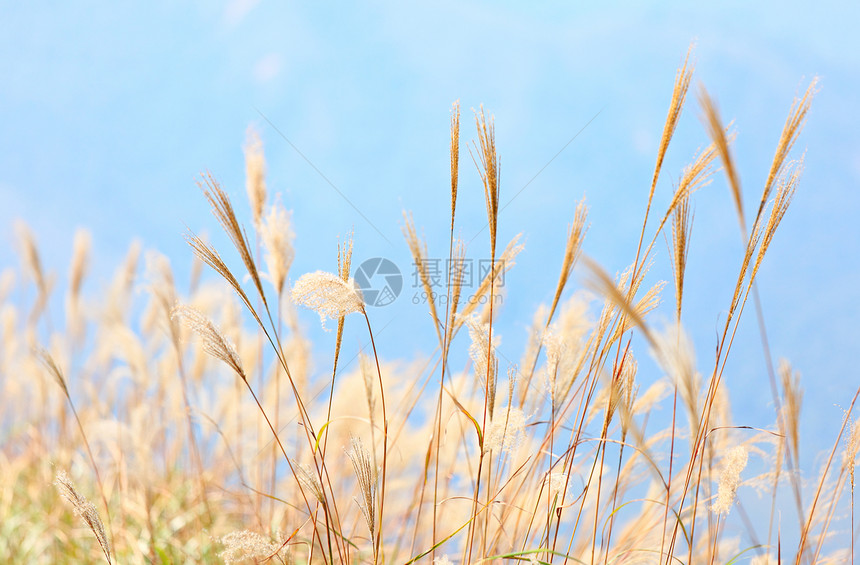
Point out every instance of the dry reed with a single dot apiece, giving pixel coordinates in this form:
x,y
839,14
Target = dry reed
x,y
558,463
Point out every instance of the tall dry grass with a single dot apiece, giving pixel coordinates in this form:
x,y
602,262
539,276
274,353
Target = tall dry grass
x,y
190,417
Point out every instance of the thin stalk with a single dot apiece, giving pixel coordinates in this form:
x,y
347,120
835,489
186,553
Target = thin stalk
x,y
614,502
597,501
487,378
669,478
446,338
378,541
274,478
804,533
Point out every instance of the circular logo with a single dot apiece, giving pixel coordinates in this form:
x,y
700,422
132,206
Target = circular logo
x,y
379,281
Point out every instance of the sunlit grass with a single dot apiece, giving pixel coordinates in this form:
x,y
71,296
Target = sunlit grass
x,y
189,431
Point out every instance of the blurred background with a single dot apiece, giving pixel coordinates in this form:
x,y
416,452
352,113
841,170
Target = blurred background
x,y
109,114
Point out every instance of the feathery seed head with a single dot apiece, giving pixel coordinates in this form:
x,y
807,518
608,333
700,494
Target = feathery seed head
x,y
792,404
555,350
327,294
77,271
80,260
555,347
852,446
455,157
47,360
573,247
255,174
418,248
215,343
676,355
619,298
627,392
483,356
681,230
239,547
791,130
162,288
310,481
277,234
489,171
555,483
30,255
344,257
722,141
535,337
787,182
223,211
366,475
674,352
85,509
506,431
513,377
733,463
679,94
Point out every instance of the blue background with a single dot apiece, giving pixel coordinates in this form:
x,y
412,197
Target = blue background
x,y
108,113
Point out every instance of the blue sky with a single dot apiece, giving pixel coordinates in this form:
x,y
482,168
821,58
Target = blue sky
x,y
108,113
